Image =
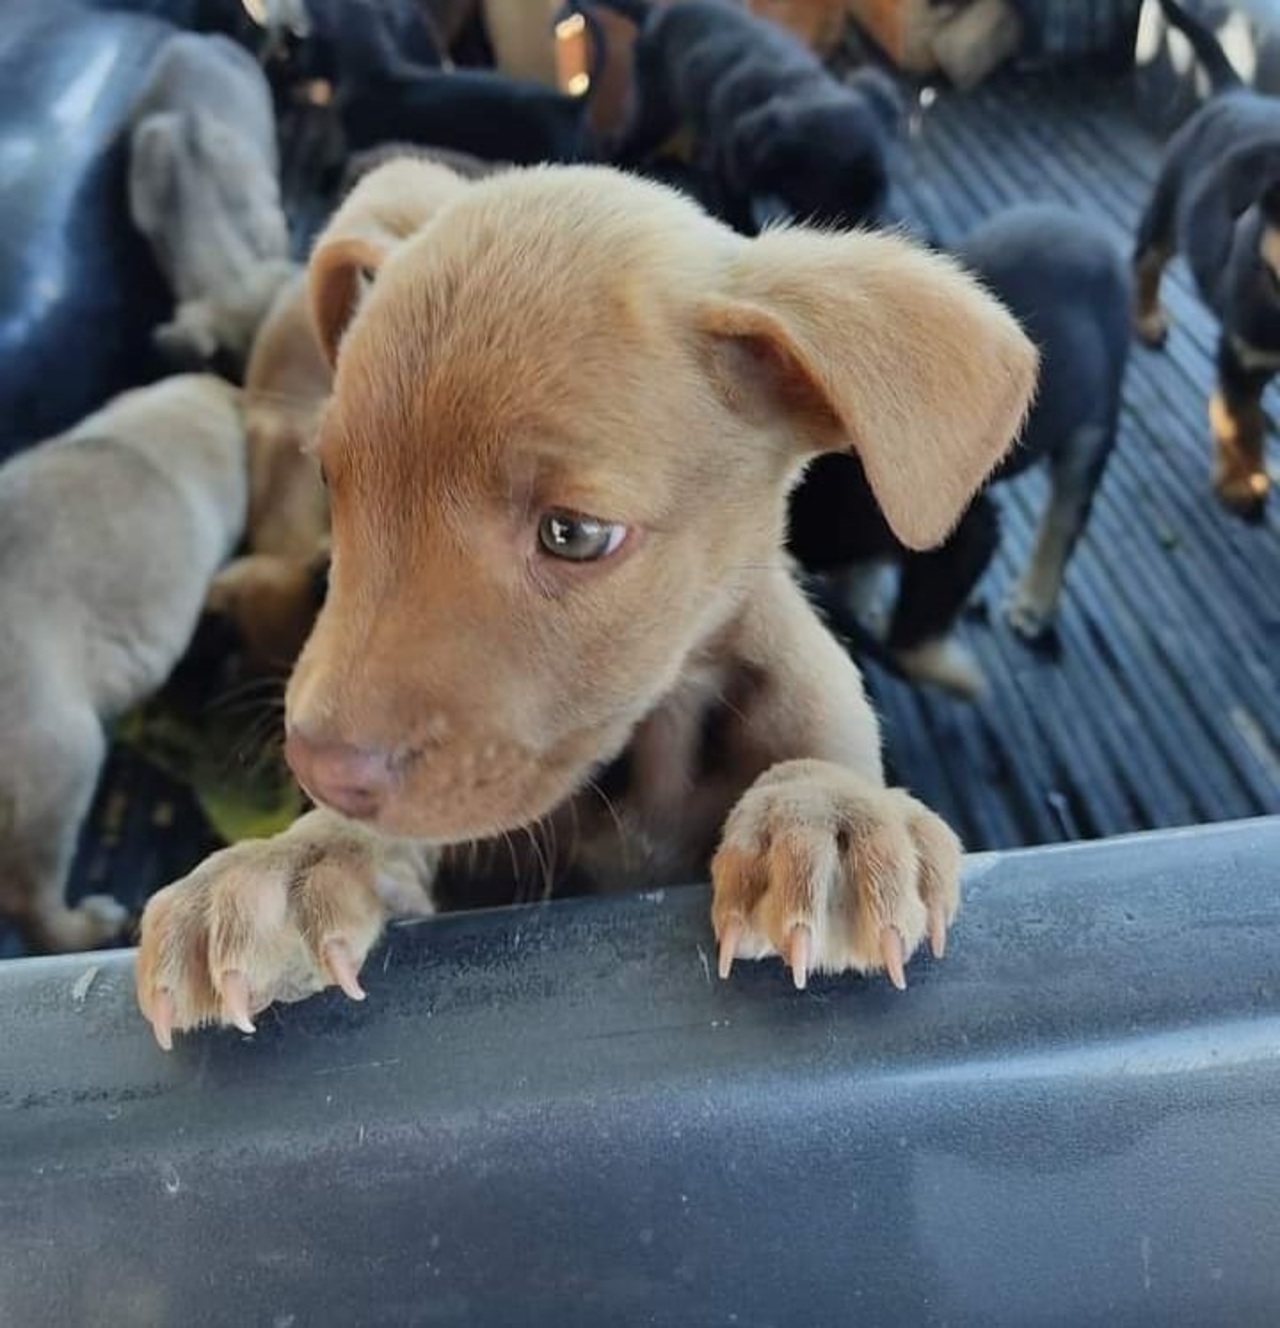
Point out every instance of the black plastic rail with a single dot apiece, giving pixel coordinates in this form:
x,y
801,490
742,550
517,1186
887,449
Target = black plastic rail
x,y
558,1115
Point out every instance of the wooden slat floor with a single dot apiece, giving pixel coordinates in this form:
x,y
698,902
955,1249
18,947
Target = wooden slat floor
x,y
1162,705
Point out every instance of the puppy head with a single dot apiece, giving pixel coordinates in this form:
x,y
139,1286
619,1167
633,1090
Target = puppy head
x,y
566,415
206,200
826,162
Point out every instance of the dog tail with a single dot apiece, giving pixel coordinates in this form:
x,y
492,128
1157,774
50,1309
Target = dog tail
x,y
1208,50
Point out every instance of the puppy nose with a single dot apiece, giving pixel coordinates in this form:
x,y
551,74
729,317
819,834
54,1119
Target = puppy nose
x,y
350,780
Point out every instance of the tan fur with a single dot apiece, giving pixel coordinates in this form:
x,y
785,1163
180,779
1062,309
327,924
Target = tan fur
x,y
286,386
269,594
570,338
92,620
390,204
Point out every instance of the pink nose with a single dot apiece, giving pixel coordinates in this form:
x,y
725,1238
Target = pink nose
x,y
350,780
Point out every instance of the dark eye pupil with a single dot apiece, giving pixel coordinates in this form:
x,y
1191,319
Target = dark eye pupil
x,y
568,533
577,537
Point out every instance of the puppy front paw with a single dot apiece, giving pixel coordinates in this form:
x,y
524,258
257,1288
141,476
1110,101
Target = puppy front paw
x,y
1243,492
263,921
832,872
1029,615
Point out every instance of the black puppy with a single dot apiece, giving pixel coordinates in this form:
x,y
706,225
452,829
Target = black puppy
x,y
1217,199
474,111
486,115
1066,283
775,128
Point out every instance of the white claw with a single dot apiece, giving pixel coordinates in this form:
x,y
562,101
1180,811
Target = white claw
x,y
162,1017
729,939
891,954
235,999
799,953
337,957
937,932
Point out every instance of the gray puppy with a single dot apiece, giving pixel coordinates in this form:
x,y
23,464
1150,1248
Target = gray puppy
x,y
109,536
204,189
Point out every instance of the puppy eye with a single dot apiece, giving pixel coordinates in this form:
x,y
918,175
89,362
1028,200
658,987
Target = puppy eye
x,y
580,539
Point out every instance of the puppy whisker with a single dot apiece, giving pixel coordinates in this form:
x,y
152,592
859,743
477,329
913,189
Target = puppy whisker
x,y
269,690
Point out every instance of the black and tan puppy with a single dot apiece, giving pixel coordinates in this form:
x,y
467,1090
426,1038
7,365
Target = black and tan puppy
x,y
1217,200
777,129
1062,278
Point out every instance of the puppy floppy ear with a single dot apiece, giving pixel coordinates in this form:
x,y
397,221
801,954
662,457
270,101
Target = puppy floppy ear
x,y
385,207
867,342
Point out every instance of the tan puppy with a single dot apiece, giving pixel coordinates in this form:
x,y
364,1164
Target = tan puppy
x,y
204,190
565,420
111,533
272,594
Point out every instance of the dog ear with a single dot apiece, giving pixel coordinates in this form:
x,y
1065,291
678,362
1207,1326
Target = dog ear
x,y
867,341
386,206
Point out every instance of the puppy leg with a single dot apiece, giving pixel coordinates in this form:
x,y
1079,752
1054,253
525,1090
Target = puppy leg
x,y
46,807
274,920
1239,435
819,861
1074,478
1150,318
1152,251
935,586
